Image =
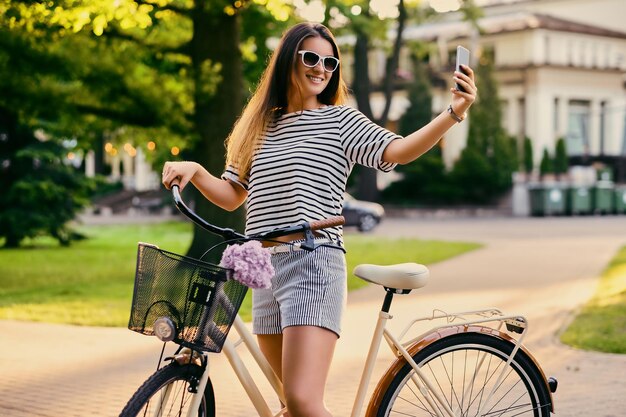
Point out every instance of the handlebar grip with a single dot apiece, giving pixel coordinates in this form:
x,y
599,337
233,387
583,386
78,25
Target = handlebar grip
x,y
326,223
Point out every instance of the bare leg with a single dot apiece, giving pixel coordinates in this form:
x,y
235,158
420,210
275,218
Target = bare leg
x,y
306,356
272,347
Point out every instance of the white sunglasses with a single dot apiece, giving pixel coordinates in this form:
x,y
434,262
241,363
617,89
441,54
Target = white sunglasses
x,y
311,59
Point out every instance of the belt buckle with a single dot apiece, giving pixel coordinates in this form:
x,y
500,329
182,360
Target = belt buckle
x,y
293,247
286,248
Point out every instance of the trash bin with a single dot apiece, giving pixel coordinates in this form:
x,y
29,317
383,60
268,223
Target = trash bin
x,y
579,200
547,200
620,199
603,199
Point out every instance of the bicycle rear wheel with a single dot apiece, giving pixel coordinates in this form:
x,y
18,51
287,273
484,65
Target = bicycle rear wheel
x,y
464,369
166,394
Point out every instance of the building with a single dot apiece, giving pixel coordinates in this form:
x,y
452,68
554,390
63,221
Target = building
x,y
561,67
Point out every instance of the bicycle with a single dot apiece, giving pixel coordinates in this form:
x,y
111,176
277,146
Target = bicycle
x,y
471,363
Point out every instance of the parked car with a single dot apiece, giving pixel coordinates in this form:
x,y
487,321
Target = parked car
x,y
364,215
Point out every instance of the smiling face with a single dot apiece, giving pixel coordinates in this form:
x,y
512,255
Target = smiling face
x,y
308,82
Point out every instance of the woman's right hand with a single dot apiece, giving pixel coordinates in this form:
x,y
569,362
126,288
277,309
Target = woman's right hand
x,y
178,172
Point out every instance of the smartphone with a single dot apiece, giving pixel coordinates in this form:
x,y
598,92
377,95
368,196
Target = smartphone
x,y
462,58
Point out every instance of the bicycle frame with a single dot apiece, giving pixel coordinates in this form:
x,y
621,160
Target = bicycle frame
x,y
455,322
471,321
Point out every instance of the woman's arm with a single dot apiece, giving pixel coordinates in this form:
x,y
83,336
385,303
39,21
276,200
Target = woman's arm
x,y
417,143
222,193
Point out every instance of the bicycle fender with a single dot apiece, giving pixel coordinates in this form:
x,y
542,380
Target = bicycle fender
x,y
385,380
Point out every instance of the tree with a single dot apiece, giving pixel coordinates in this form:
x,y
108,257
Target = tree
x,y
61,86
424,180
419,112
170,70
561,163
40,193
528,156
367,187
547,164
488,145
216,42
370,29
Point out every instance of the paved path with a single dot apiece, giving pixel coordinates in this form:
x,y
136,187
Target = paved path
x,y
543,268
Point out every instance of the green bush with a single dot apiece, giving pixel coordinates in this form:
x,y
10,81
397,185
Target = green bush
x,y
473,174
528,155
561,163
547,164
40,193
484,170
425,182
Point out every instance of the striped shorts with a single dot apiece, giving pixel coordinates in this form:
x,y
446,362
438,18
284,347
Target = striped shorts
x,y
309,289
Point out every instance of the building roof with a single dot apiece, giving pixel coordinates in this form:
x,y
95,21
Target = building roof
x,y
504,23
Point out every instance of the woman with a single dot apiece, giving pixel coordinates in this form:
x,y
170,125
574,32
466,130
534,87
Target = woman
x,y
288,158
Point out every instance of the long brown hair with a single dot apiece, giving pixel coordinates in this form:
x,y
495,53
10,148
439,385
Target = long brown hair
x,y
270,97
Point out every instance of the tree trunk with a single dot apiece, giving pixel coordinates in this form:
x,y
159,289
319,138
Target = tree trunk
x,y
98,149
392,66
215,38
361,85
367,188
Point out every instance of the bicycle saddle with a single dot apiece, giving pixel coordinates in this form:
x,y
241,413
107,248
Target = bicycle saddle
x,y
407,276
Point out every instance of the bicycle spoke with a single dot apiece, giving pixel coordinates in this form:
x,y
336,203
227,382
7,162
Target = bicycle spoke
x,y
472,384
464,378
505,394
463,384
451,379
173,400
513,409
488,377
418,398
422,407
439,385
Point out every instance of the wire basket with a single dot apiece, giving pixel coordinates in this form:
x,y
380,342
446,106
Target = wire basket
x,y
198,297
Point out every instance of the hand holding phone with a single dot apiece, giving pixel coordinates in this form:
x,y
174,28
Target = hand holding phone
x,y
462,58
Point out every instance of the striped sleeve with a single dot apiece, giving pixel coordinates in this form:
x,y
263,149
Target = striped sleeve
x,y
232,174
364,141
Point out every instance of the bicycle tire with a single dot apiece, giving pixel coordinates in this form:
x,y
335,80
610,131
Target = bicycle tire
x,y
463,391
177,377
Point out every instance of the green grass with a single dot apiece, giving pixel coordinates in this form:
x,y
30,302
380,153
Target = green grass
x,y
91,282
376,250
601,324
88,283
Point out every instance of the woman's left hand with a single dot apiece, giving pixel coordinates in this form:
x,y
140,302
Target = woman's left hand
x,y
461,101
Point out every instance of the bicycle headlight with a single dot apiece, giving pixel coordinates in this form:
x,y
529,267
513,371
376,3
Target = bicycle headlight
x,y
164,329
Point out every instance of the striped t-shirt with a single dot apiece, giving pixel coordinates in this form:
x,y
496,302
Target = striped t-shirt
x,y
299,173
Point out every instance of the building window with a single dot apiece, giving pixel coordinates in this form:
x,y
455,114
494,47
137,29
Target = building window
x,y
555,117
579,112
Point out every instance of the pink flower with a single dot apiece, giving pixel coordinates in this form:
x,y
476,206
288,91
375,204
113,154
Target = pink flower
x,y
251,264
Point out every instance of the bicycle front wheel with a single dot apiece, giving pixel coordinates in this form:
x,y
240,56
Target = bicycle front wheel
x,y
166,394
465,371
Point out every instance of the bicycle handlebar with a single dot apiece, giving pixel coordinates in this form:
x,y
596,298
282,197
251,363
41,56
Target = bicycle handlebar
x,y
230,234
326,223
